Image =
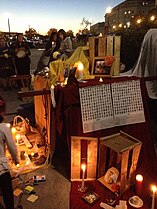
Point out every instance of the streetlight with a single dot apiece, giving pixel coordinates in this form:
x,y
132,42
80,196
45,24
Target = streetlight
x,y
152,18
108,11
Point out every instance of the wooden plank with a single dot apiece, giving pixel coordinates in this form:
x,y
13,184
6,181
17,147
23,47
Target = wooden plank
x,y
92,159
33,93
102,159
116,66
135,155
109,45
124,166
75,158
117,42
91,47
102,47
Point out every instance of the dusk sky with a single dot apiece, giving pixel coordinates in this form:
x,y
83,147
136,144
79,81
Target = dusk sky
x,y
45,14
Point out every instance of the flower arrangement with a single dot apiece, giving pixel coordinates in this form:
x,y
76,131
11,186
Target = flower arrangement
x,y
109,60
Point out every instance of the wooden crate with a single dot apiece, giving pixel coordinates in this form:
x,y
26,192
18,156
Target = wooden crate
x,y
105,45
120,151
83,151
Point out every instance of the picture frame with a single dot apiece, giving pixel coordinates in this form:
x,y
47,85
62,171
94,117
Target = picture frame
x,y
100,69
90,198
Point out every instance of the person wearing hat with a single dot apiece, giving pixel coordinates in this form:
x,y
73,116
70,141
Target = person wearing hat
x,y
6,139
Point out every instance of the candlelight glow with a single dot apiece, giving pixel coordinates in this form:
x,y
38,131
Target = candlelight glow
x,y
18,137
100,80
13,130
80,66
154,188
32,154
139,177
83,166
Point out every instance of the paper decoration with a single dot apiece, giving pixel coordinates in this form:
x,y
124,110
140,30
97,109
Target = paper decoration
x,y
108,105
29,189
96,107
17,192
127,102
32,198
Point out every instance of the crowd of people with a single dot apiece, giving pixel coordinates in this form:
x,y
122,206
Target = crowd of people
x,y
15,58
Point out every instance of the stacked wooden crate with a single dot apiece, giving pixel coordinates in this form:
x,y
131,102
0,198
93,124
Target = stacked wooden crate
x,y
102,46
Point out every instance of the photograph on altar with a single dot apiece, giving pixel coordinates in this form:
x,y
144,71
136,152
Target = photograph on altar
x,y
100,68
91,198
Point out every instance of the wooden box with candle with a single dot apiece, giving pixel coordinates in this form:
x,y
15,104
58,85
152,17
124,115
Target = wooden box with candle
x,y
83,152
119,153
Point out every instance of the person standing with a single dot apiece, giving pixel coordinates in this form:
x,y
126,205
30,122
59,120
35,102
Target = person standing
x,y
6,139
6,64
52,45
21,53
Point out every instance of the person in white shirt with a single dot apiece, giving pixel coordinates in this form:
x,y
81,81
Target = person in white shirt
x,y
6,139
66,44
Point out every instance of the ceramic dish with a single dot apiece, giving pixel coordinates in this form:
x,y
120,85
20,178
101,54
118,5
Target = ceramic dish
x,y
135,202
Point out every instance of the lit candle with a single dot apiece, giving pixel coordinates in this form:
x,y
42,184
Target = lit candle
x,y
100,80
17,165
154,189
139,181
17,138
13,130
32,154
83,175
80,70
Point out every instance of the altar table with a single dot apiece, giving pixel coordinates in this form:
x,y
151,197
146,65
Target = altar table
x,y
68,123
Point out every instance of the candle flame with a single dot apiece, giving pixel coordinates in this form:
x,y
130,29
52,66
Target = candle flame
x,y
100,80
80,66
83,166
139,177
18,136
154,189
13,130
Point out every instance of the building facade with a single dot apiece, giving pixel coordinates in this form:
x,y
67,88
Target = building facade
x,y
98,28
128,11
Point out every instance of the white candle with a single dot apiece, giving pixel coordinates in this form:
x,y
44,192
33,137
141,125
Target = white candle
x,y
154,189
17,138
83,175
100,80
13,130
80,70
